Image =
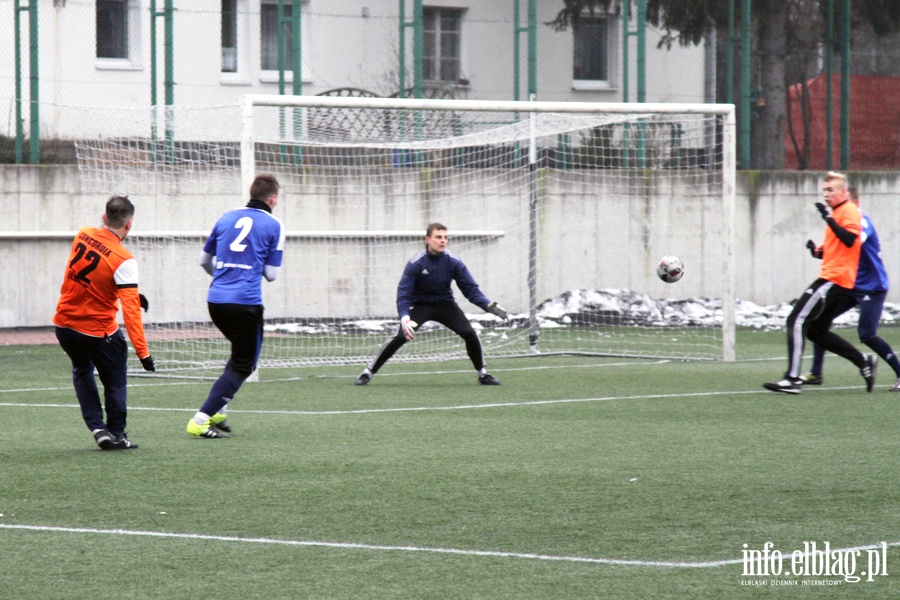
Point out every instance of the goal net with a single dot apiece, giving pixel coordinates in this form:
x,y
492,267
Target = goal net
x,y
561,211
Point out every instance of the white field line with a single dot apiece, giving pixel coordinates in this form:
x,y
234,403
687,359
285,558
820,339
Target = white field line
x,y
436,408
147,378
422,549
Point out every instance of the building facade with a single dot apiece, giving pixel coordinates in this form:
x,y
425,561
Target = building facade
x,y
108,53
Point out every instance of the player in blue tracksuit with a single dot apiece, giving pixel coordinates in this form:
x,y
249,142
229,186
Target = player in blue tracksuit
x,y
247,245
869,293
424,295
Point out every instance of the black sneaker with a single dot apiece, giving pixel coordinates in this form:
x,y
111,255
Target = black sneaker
x,y
786,385
488,379
111,441
105,439
868,371
363,379
123,443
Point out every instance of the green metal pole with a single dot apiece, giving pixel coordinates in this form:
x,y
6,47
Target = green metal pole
x,y
280,37
626,79
402,69
845,87
829,106
745,86
641,51
418,49
729,56
297,87
20,134
169,33
532,49
626,33
297,50
34,95
517,59
642,79
154,78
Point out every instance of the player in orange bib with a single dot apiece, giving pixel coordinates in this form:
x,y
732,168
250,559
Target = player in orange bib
x,y
100,274
824,298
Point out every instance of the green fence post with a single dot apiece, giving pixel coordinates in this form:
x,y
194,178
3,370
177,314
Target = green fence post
x,y
845,87
829,105
34,95
744,160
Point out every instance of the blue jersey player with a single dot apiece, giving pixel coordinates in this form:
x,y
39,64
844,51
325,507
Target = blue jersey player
x,y
245,246
869,293
424,295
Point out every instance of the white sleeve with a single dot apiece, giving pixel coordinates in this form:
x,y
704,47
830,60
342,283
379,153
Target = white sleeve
x,y
271,273
206,261
127,273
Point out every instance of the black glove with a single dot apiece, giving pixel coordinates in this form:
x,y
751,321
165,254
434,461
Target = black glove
x,y
496,309
823,210
148,364
811,245
144,303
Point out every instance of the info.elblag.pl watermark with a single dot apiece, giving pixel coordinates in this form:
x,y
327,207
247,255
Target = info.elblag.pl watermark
x,y
815,564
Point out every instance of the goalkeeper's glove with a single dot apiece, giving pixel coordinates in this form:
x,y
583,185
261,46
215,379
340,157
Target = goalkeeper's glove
x,y
408,326
823,210
144,303
148,364
811,245
496,309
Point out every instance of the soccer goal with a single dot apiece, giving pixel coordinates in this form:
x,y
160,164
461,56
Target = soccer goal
x,y
561,211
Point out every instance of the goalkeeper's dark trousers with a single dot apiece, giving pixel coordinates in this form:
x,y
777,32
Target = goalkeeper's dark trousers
x,y
110,357
820,304
447,314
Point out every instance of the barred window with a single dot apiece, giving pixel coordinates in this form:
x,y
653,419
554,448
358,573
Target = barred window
x,y
592,49
269,36
442,30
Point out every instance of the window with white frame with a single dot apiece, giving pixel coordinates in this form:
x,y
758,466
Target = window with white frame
x,y
593,52
269,36
118,33
112,29
442,37
229,36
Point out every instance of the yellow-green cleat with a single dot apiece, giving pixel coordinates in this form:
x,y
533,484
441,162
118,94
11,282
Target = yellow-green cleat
x,y
220,422
206,430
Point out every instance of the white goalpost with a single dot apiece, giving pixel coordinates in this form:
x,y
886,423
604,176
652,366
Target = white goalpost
x,y
561,211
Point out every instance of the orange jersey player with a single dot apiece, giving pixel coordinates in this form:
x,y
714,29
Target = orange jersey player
x,y
824,299
101,273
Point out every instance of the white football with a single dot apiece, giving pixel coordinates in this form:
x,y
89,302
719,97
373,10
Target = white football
x,y
670,269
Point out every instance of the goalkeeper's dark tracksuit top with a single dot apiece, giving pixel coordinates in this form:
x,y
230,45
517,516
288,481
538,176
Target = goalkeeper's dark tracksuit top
x,y
427,278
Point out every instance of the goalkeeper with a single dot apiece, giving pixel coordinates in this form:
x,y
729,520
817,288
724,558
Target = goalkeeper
x,y
825,297
869,293
424,295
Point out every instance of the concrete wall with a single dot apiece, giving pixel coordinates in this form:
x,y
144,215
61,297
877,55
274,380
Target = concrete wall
x,y
595,230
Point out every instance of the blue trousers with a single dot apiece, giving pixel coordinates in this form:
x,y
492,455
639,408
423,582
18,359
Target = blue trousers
x,y
871,305
109,355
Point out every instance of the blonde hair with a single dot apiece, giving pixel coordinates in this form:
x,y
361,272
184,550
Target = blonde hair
x,y
835,176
